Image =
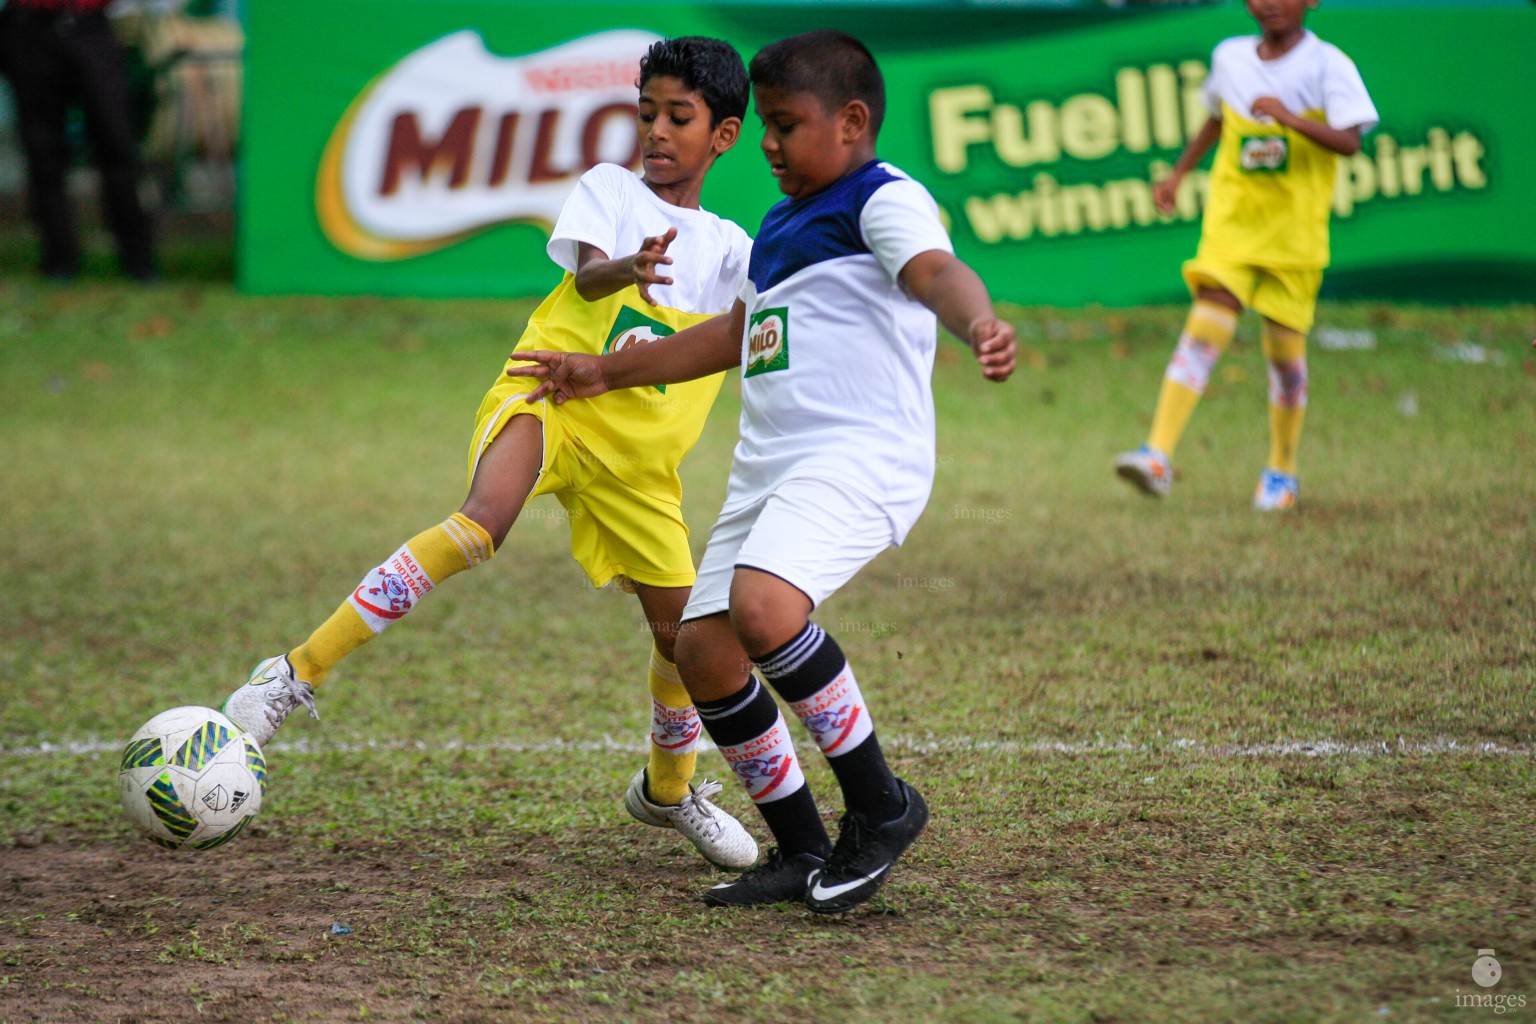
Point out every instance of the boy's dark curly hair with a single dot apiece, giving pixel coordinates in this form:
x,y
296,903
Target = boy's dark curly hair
x,y
710,67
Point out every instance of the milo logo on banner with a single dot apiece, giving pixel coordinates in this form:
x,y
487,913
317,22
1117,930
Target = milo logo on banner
x,y
767,341
1265,154
453,139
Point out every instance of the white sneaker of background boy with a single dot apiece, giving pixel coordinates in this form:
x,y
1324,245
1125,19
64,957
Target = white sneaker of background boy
x,y
261,705
1277,491
1146,469
719,838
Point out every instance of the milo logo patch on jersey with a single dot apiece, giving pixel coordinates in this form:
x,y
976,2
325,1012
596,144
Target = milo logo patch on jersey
x,y
1264,154
632,327
768,341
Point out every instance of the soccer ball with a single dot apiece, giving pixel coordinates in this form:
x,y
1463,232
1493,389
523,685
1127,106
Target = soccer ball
x,y
191,778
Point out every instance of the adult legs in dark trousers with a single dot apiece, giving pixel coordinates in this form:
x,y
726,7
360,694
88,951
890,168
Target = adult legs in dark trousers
x,y
52,59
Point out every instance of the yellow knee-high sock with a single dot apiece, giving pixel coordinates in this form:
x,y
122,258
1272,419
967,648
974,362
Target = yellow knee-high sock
x,y
1207,334
1286,352
390,591
675,729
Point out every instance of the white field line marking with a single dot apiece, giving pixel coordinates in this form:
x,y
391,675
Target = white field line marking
x,y
906,744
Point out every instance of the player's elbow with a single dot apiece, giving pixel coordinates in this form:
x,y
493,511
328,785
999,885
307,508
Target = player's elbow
x,y
1349,145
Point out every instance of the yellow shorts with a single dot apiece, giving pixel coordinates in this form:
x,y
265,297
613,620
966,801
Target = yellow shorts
x,y
617,531
1286,296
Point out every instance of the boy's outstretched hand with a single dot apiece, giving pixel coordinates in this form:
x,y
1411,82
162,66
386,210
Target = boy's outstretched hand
x,y
644,263
565,375
1165,193
995,347
1272,108
958,297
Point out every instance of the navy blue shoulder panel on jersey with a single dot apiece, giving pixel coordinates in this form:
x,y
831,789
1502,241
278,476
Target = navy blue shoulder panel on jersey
x,y
798,233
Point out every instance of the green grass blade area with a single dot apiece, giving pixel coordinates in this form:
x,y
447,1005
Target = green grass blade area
x,y
1186,762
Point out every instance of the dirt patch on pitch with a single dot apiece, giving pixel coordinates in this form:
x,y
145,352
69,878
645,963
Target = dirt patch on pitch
x,y
123,933
116,932
597,924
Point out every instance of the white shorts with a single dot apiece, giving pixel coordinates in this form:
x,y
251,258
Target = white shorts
x,y
814,534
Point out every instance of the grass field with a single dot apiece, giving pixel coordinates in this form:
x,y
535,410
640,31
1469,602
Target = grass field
x,y
1187,763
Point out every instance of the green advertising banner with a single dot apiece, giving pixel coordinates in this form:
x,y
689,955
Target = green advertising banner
x,y
401,147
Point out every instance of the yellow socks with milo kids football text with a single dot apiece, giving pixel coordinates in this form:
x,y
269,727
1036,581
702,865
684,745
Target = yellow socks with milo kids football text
x,y
1207,334
390,591
675,730
1285,351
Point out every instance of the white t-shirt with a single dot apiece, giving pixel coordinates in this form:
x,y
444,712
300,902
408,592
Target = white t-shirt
x,y
612,209
1311,76
837,361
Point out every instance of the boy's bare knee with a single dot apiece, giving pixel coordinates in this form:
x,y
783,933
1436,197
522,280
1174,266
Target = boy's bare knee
x,y
663,607
709,660
1220,296
489,518
666,644
754,622
505,476
766,611
687,652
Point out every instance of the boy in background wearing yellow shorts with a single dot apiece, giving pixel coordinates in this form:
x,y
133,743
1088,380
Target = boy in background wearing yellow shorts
x,y
1284,105
611,463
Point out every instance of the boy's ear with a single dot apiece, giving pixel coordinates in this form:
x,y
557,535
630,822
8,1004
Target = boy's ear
x,y
726,134
855,120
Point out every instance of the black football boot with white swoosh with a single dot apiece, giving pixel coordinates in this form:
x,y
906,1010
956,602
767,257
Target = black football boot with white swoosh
x,y
863,857
776,879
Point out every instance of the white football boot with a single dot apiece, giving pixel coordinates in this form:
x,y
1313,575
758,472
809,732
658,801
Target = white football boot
x,y
1146,469
718,836
260,706
1277,491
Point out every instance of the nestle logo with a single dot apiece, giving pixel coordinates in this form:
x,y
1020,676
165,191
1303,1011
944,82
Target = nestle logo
x,y
609,74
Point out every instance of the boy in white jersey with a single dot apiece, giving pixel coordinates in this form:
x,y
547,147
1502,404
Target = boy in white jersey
x,y
835,335
613,463
1284,105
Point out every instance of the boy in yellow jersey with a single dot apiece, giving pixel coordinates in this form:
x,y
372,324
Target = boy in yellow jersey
x,y
611,463
1284,105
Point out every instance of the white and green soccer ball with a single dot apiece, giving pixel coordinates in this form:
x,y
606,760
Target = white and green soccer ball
x,y
191,778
